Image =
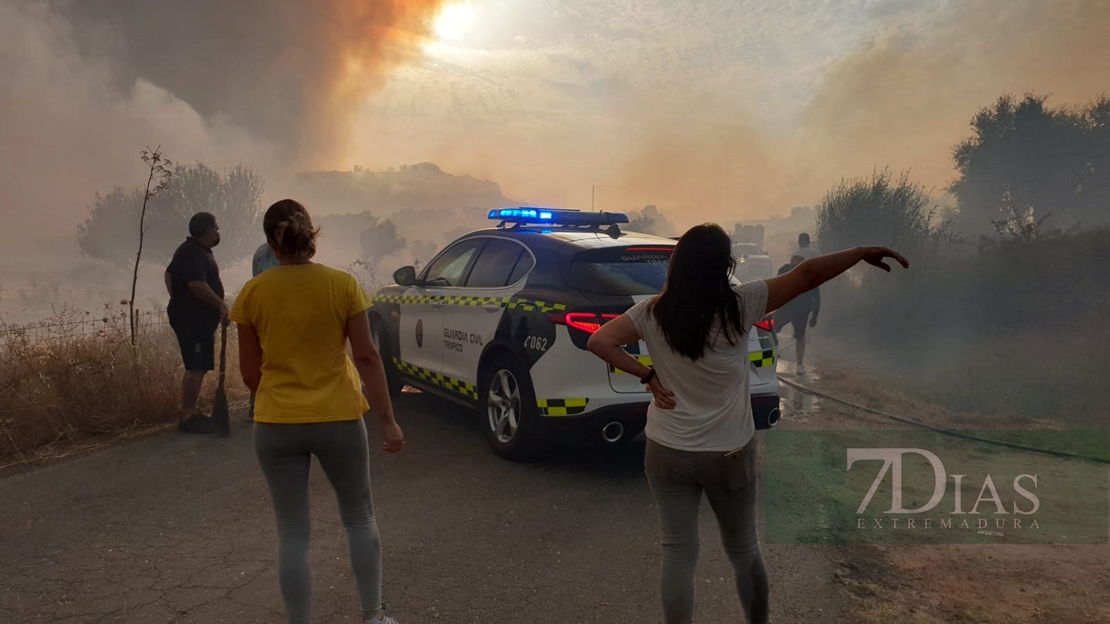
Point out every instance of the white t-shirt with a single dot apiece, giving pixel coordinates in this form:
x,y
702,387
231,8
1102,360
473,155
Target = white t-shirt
x,y
713,409
806,253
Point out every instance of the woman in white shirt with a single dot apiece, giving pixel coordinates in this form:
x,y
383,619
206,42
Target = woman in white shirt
x,y
699,427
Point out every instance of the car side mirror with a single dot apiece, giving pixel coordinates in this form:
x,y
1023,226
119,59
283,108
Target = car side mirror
x,y
405,276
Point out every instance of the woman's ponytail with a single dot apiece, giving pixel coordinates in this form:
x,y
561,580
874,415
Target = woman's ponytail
x,y
289,228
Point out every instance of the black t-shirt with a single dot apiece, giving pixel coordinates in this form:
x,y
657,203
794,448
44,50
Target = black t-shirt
x,y
193,262
809,301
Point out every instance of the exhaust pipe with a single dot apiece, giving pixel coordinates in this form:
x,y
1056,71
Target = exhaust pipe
x,y
773,417
612,432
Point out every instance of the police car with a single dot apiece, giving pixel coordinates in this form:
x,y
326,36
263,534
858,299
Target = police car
x,y
499,321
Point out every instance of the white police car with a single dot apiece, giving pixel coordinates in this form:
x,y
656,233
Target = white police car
x,y
499,321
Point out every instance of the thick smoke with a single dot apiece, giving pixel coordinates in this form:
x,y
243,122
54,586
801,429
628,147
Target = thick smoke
x,y
273,83
901,99
908,95
267,83
292,71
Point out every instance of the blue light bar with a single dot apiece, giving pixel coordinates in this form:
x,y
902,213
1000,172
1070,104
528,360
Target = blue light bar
x,y
551,216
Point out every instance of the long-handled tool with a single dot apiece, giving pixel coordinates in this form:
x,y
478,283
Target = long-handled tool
x,y
220,416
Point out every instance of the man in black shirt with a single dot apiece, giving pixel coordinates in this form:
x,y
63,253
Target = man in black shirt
x,y
195,311
799,312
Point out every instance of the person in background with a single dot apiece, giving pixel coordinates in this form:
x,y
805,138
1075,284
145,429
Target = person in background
x,y
700,430
195,311
264,258
804,250
798,313
295,321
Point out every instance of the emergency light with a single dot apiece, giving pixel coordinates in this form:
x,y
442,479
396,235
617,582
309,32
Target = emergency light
x,y
552,216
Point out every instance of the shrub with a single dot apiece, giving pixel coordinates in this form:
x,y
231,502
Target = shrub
x,y
75,375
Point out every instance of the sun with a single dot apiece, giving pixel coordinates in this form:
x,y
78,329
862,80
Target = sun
x,y
454,21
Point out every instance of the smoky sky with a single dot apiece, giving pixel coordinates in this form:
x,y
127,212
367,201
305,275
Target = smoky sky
x,y
291,71
278,85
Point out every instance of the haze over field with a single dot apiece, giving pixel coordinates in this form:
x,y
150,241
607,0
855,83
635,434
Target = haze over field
x,y
720,109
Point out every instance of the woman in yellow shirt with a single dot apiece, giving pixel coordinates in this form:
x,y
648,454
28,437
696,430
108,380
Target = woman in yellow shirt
x,y
295,321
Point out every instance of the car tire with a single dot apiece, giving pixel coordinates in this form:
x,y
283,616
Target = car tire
x,y
381,341
507,406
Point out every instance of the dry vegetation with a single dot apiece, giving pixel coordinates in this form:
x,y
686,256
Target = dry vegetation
x,y
73,380
1011,328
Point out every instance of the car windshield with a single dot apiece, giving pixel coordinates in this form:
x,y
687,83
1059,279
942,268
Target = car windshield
x,y
622,271
745,249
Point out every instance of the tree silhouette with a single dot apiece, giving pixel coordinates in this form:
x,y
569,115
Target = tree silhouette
x,y
158,179
1026,164
235,198
876,210
378,241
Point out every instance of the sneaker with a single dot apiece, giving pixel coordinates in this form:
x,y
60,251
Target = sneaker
x,y
199,425
385,620
801,371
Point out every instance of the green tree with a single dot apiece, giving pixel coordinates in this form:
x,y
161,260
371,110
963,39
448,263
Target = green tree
x,y
877,210
650,221
1028,163
235,197
641,223
380,240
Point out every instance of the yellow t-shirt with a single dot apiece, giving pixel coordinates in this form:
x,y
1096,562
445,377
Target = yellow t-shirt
x,y
300,313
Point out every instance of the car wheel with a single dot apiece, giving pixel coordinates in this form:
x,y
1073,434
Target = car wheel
x,y
508,409
392,375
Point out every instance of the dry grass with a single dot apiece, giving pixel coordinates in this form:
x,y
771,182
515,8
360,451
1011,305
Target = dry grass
x,y
74,387
1049,374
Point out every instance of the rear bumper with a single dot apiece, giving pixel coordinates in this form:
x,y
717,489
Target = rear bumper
x,y
765,410
632,418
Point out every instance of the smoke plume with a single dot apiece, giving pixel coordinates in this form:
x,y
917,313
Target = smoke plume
x,y
908,94
267,83
902,98
292,71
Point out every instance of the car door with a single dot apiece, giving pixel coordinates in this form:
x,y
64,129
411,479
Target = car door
x,y
422,310
475,310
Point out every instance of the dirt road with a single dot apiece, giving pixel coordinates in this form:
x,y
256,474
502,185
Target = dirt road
x,y
178,529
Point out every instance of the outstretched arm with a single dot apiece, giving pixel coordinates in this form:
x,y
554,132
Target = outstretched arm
x,y
816,271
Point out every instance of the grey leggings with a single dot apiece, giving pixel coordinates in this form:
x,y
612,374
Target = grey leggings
x,y
285,454
678,479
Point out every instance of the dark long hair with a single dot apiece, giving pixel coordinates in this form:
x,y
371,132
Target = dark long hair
x,y
698,293
288,227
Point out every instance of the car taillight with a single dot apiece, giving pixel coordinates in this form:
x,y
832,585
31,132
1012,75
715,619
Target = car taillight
x,y
588,322
767,324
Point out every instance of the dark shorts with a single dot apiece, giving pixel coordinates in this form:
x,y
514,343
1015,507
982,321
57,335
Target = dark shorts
x,y
198,344
798,319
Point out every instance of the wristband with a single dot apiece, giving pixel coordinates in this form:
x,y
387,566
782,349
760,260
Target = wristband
x,y
650,376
